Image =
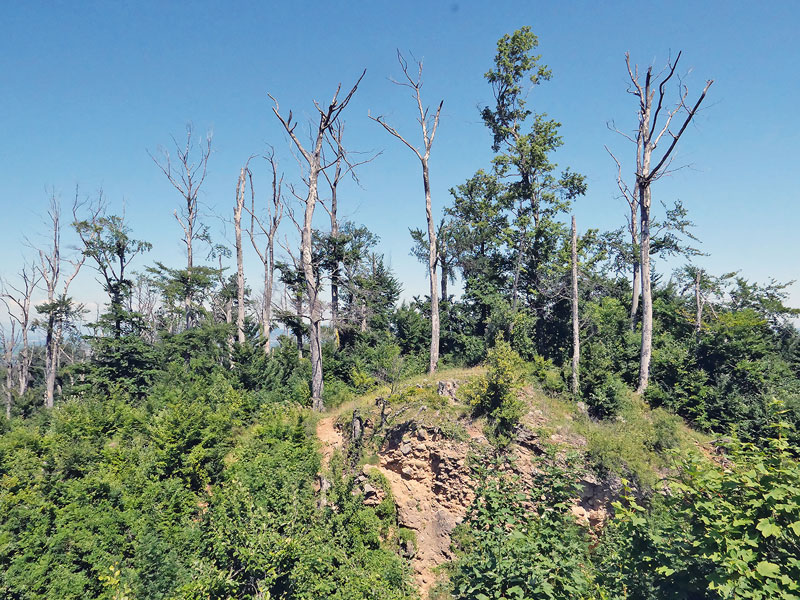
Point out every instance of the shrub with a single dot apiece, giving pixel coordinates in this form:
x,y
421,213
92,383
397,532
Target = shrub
x,y
521,541
495,394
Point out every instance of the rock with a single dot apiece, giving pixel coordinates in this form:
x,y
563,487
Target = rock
x,y
448,389
408,549
528,439
405,448
582,408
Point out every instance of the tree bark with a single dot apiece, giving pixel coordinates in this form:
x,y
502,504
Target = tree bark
x,y
576,327
187,181
637,271
434,362
21,299
267,255
647,296
50,270
698,320
237,225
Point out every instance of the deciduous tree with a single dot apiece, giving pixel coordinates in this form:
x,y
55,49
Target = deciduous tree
x,y
429,125
657,117
187,177
314,165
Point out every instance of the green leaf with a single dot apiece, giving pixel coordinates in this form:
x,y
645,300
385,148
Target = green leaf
x,y
768,528
767,569
795,527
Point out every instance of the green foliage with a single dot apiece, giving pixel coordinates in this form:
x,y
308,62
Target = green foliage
x,y
547,375
199,491
496,393
520,541
723,532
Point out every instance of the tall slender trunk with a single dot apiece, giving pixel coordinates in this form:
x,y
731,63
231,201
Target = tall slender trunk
x,y
637,272
189,264
266,309
8,395
298,304
698,320
647,297
8,362
445,275
576,327
432,271
335,273
237,225
518,268
51,348
315,310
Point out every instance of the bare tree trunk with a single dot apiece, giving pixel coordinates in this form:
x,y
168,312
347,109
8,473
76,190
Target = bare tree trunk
x,y
312,290
647,296
237,226
333,182
9,343
266,309
429,127
50,364
576,326
20,297
58,305
267,255
434,362
637,269
698,320
9,396
445,275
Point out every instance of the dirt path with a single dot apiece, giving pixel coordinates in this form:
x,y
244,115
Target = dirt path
x,y
330,439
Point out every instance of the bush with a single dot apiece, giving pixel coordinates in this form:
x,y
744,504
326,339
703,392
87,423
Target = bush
x,y
608,397
547,375
721,533
521,541
495,394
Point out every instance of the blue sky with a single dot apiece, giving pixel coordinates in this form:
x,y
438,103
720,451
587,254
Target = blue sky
x,y
89,87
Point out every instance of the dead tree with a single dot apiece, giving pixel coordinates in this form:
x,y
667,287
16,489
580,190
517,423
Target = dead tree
x,y
342,167
8,343
187,177
429,126
632,199
241,188
652,96
576,326
59,309
328,116
268,228
17,299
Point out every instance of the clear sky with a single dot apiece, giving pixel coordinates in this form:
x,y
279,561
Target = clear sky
x,y
89,87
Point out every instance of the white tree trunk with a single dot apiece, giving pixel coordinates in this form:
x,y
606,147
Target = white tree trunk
x,y
237,225
576,327
434,362
647,296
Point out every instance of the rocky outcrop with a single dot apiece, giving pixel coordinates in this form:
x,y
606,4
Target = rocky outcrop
x,y
430,482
